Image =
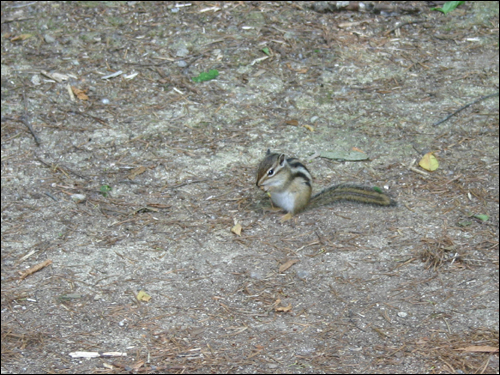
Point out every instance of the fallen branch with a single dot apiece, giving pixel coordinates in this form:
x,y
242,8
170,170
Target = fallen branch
x,y
465,106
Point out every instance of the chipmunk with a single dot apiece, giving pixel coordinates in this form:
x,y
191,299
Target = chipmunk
x,y
289,184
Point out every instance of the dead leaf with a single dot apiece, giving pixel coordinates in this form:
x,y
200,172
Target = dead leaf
x,y
136,171
308,127
80,94
136,366
283,308
237,229
292,122
287,265
21,37
300,71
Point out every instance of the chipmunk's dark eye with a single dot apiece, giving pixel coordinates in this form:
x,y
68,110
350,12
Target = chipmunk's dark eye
x,y
270,172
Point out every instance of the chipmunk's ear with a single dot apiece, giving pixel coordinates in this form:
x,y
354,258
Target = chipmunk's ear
x,y
281,159
268,151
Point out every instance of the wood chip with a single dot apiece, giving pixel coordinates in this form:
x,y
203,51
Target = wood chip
x,y
136,171
96,354
483,349
287,265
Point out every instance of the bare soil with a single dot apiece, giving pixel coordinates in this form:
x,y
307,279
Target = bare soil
x,y
406,289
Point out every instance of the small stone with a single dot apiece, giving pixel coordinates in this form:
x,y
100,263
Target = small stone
x,y
78,198
402,314
181,52
256,275
49,39
35,80
303,274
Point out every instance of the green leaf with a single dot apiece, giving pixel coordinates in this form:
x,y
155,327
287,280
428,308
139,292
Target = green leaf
x,y
482,217
206,76
377,189
449,6
105,189
266,51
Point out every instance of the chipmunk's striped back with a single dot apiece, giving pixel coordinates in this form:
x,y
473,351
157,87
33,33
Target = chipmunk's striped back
x,y
289,183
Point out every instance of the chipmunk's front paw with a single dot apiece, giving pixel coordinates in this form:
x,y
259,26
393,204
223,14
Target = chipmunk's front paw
x,y
271,209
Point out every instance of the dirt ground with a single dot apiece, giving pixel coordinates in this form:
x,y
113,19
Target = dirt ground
x,y
116,185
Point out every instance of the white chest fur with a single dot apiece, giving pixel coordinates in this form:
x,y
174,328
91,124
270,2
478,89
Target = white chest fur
x,y
285,200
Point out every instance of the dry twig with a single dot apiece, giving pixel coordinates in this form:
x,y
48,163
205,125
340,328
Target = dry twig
x,y
25,119
403,24
36,268
466,106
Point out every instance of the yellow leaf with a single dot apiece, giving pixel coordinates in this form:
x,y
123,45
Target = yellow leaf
x,y
143,296
308,127
237,229
429,162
